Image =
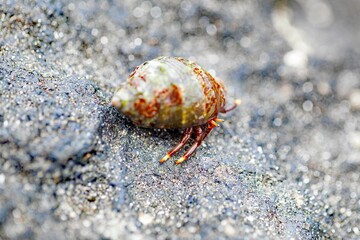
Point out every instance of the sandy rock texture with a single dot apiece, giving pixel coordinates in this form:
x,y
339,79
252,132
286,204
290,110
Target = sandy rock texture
x,y
284,165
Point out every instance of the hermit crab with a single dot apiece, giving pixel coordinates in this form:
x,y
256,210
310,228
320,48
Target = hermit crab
x,y
173,92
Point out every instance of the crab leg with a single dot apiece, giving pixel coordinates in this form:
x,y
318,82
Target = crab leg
x,y
232,107
208,130
219,120
199,137
213,124
185,138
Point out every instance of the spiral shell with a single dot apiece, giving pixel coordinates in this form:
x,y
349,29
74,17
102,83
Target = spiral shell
x,y
170,92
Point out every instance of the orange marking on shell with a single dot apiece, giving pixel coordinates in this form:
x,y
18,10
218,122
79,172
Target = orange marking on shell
x,y
147,109
219,97
143,77
175,96
171,96
211,90
131,81
197,71
133,73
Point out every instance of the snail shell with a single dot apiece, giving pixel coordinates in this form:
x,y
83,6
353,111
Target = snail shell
x,y
170,92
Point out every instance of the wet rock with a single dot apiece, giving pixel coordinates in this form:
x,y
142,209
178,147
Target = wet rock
x,y
283,165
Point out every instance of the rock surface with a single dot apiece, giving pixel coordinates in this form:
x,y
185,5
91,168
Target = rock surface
x,y
284,165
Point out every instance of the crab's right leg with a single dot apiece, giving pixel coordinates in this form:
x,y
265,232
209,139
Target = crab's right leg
x,y
209,128
185,138
232,107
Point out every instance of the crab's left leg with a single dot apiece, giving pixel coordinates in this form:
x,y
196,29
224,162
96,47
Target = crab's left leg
x,y
185,138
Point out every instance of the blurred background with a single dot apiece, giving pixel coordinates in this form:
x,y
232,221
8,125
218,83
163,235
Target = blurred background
x,y
284,165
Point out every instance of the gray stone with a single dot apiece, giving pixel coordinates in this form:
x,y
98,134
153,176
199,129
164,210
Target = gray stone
x,y
284,165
